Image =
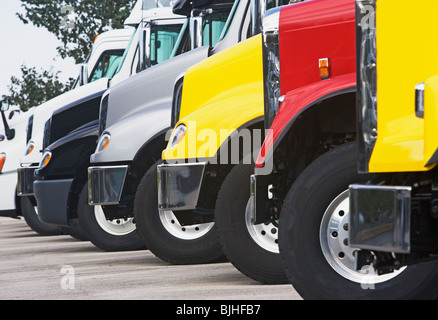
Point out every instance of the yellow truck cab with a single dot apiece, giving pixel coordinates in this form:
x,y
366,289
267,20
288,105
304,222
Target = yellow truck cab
x,y
218,102
393,218
379,194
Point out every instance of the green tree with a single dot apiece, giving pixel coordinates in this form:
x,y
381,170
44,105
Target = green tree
x,y
76,22
35,87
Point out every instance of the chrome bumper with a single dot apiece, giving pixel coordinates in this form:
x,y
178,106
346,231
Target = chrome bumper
x,y
179,185
105,184
25,180
380,218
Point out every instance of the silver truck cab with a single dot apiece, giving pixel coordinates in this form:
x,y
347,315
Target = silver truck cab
x,y
136,115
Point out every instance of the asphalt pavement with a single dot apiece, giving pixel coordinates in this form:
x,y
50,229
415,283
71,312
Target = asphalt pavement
x,y
34,267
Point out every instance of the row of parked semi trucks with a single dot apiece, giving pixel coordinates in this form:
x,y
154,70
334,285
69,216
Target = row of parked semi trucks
x,y
294,139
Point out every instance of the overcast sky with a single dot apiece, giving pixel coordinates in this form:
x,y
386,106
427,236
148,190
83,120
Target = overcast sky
x,y
27,44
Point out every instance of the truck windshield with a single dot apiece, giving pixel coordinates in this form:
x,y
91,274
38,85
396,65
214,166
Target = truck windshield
x,y
180,38
212,27
163,41
229,19
107,65
125,53
152,4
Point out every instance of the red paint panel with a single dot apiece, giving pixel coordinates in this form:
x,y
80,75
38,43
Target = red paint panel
x,y
309,31
312,30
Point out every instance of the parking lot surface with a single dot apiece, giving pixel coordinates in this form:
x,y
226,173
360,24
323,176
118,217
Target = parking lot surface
x,y
34,267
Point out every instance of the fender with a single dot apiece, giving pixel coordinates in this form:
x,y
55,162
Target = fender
x,y
298,101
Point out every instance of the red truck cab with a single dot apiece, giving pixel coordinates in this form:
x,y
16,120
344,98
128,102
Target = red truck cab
x,y
310,109
310,85
317,62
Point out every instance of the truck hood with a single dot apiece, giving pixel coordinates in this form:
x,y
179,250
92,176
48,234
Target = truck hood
x,y
151,88
206,82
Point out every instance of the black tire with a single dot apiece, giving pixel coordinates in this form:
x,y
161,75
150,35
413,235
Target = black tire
x,y
31,217
253,254
161,241
75,231
115,239
299,238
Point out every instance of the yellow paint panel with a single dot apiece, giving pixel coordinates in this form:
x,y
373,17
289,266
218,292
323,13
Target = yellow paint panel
x,y
406,55
220,95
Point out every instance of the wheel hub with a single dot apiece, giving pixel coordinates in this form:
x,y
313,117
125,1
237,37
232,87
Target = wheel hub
x,y
334,245
264,234
188,232
116,227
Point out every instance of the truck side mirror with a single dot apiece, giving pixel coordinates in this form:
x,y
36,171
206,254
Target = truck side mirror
x,y
4,105
196,31
83,74
144,43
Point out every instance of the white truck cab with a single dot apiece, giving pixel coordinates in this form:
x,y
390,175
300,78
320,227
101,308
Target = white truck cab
x,y
12,144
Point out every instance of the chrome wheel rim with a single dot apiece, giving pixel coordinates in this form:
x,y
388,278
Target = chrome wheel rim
x,y
115,227
190,232
265,235
333,237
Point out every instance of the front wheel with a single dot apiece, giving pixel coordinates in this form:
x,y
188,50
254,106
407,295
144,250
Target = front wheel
x,y
313,239
164,236
252,249
108,235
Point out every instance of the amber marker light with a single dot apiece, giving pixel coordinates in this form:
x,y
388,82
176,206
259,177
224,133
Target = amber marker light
x,y
29,148
103,142
2,161
324,68
45,159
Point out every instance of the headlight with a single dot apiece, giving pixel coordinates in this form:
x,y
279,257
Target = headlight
x,y
103,142
177,135
29,148
47,156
